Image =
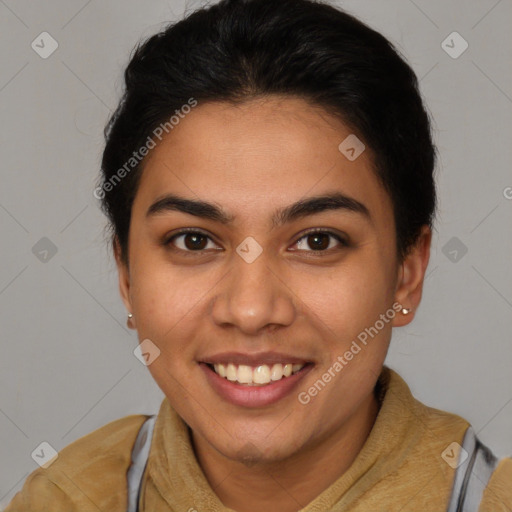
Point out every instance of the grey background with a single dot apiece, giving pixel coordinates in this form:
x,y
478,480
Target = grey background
x,y
67,364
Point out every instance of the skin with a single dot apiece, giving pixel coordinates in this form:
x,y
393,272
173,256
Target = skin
x,y
250,160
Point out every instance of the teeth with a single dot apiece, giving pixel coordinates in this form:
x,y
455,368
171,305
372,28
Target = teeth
x,y
244,374
261,375
221,370
230,372
276,372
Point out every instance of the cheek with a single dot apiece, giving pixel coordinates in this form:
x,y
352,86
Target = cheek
x,y
163,295
166,308
350,297
349,288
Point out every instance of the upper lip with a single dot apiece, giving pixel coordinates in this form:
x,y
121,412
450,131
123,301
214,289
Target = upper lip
x,y
254,359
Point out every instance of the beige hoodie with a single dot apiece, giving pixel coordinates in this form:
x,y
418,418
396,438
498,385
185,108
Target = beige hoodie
x,y
399,468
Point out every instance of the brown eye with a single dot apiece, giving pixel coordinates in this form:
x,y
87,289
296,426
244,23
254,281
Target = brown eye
x,y
194,241
189,241
320,241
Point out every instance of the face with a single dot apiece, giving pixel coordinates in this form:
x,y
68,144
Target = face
x,y
255,282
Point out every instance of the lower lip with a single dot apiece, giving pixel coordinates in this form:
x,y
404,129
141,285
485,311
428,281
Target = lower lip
x,y
253,396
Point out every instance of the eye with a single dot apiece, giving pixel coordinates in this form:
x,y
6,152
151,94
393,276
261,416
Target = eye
x,y
190,240
320,241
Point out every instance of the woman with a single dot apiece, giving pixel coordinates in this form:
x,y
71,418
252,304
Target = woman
x,y
269,180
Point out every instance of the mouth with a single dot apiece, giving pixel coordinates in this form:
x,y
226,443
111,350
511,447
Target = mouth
x,y
260,375
254,381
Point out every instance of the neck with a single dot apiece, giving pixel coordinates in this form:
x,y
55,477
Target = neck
x,y
287,485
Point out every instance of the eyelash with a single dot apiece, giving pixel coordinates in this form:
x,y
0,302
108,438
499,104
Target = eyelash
x,y
168,241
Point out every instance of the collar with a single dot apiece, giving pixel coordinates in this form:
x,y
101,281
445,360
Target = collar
x,y
179,479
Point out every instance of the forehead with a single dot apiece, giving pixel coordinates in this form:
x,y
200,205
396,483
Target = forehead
x,y
259,155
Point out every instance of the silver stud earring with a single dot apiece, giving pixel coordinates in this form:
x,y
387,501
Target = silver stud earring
x,y
130,315
406,311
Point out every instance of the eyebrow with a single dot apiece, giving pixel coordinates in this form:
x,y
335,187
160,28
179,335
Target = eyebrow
x,y
295,211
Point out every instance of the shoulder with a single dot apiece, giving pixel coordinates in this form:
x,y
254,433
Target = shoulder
x,y
436,425
107,447
442,421
449,432
88,474
440,434
497,496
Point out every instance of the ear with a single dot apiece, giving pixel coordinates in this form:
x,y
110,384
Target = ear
x,y
411,274
124,281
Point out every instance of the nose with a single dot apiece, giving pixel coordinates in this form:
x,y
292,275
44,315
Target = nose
x,y
253,298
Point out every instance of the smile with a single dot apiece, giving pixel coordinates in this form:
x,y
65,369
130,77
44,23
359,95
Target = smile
x,y
255,384
259,376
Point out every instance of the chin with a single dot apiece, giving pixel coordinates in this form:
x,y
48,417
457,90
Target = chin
x,y
257,449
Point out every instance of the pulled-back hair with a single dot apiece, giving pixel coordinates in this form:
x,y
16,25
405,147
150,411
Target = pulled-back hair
x,y
237,50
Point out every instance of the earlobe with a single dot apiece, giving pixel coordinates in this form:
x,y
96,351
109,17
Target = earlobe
x,y
124,282
411,277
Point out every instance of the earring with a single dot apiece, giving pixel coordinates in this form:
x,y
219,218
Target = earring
x,y
130,315
129,323
406,311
